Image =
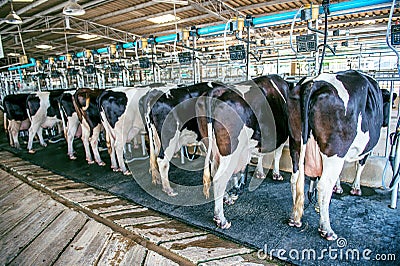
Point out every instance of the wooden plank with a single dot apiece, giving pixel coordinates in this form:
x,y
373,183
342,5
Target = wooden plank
x,y
165,231
87,246
20,209
109,205
244,260
45,249
8,185
7,200
153,258
27,230
122,251
68,186
82,195
204,248
40,174
134,217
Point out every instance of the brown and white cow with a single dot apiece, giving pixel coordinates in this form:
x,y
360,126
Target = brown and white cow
x,y
15,116
43,111
343,114
170,118
86,106
119,110
241,121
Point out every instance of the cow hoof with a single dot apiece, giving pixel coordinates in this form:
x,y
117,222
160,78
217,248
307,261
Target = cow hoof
x,y
277,177
228,200
31,151
355,192
90,162
44,144
293,223
72,157
331,236
259,175
101,163
225,225
170,192
337,190
127,172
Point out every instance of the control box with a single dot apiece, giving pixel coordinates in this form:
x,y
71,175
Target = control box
x,y
144,62
185,58
395,33
306,43
237,52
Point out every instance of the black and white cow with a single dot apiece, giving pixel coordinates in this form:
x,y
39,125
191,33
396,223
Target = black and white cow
x,y
86,106
43,111
244,120
170,117
343,114
119,110
70,121
15,116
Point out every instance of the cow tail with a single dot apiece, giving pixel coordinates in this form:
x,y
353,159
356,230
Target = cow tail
x,y
152,144
63,118
208,104
5,122
305,106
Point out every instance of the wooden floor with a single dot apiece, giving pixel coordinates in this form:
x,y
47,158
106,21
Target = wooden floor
x,y
46,219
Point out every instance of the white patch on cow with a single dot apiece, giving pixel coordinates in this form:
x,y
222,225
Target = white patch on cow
x,y
209,84
243,89
230,164
360,142
277,89
341,90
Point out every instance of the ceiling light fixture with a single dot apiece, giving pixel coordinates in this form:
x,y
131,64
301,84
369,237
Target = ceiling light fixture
x,y
13,18
163,19
72,8
87,36
44,46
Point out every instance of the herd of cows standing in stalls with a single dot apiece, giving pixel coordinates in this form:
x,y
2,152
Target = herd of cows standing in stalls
x,y
339,115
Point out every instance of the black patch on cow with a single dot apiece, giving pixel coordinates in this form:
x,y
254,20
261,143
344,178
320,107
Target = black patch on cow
x,y
67,104
54,108
114,104
15,106
32,104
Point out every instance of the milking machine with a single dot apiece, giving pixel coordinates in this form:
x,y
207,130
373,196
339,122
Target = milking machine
x,y
393,40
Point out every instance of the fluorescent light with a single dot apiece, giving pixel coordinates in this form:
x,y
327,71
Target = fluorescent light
x,y
22,1
177,2
13,54
88,36
44,46
163,19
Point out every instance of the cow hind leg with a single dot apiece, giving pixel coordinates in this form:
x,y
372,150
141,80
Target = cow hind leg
x,y
220,182
94,143
259,172
163,166
332,166
277,158
337,188
297,187
356,188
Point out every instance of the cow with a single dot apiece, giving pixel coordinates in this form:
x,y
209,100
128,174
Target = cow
x,y
86,105
342,113
70,121
170,118
15,116
43,111
119,111
241,121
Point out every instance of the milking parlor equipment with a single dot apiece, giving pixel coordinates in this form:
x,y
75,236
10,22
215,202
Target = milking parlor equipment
x,y
393,41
